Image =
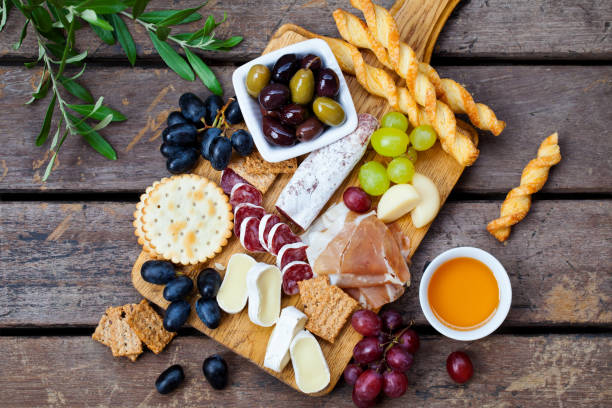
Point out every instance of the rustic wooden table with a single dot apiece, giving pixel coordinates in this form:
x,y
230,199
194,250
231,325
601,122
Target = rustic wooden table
x,y
67,245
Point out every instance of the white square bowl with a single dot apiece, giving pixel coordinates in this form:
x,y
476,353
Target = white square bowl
x,y
252,115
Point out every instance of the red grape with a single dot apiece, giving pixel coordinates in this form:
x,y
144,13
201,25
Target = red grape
x,y
356,199
392,320
399,359
367,350
361,403
409,341
368,385
395,384
377,366
352,372
366,322
459,366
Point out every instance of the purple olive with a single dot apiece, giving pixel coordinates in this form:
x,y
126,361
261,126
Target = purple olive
x,y
271,113
293,114
327,83
309,129
276,133
311,62
284,68
274,96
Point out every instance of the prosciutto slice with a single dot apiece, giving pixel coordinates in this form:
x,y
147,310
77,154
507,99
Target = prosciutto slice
x,y
358,253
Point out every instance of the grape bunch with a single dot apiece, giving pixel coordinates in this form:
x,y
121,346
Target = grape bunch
x,y
199,129
381,358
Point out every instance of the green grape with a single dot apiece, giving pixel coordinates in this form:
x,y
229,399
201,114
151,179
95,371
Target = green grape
x,y
373,178
423,137
395,120
400,170
390,142
412,154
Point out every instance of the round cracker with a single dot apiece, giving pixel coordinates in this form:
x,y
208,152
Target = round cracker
x,y
138,222
186,219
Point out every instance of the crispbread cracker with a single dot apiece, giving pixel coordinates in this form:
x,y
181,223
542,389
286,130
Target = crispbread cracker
x,y
114,332
186,219
262,182
149,328
255,164
328,307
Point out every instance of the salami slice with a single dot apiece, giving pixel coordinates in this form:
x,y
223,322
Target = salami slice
x,y
279,236
290,253
229,178
292,274
266,224
245,193
249,235
244,210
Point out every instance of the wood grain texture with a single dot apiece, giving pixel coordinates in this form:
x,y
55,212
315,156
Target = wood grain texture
x,y
510,371
533,100
62,264
520,29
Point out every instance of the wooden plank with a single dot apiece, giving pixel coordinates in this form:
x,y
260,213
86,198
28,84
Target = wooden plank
x,y
62,264
533,100
543,371
547,29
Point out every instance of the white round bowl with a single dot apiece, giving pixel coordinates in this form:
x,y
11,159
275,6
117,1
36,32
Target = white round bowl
x,y
503,283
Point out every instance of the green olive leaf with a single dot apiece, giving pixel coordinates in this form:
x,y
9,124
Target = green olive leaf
x,y
155,17
94,139
106,36
138,7
76,89
124,37
42,19
44,130
92,18
172,58
102,6
77,58
99,114
177,16
205,74
162,33
24,32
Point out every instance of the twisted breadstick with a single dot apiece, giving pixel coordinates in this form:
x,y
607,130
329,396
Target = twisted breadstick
x,y
402,58
517,202
455,140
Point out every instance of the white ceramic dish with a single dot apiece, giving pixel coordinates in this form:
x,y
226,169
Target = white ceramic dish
x,y
252,115
503,283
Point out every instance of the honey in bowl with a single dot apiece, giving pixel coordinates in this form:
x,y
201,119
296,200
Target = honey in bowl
x,y
463,293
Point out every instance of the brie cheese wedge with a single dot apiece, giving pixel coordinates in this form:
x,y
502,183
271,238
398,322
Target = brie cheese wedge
x,y
427,209
264,289
397,201
290,322
309,364
232,295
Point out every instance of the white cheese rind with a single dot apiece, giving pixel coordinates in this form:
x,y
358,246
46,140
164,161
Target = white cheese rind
x,y
290,322
264,289
232,295
309,364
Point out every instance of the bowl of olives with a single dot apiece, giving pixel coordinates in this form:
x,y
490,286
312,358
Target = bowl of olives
x,y
294,100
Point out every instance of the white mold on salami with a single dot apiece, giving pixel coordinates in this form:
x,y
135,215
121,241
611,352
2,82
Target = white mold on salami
x,y
294,272
263,225
244,210
322,172
280,235
284,249
248,235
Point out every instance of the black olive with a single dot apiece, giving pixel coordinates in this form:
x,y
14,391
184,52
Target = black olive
x,y
220,153
192,107
176,315
209,313
183,134
208,281
216,372
176,117
170,150
233,114
209,136
178,288
157,272
284,68
183,162
242,141
170,379
213,103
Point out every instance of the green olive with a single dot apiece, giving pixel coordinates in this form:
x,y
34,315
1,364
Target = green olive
x,y
328,111
302,86
257,78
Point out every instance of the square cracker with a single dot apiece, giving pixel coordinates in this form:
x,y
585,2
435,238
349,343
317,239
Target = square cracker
x,y
262,182
114,332
255,164
328,307
149,328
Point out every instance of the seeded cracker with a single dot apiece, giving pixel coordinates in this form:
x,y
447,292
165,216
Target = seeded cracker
x,y
328,307
255,164
114,332
186,219
262,182
148,326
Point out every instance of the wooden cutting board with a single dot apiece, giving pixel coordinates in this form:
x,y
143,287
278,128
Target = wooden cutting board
x,y
420,23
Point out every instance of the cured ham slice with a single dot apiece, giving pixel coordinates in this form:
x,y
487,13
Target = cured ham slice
x,y
358,253
244,210
294,272
245,193
266,224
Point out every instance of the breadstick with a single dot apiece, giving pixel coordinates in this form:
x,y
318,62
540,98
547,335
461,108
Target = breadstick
x,y
384,29
518,201
455,140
